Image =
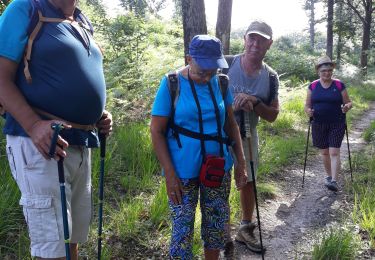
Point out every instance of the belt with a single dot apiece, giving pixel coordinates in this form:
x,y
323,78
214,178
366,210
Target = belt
x,y
74,125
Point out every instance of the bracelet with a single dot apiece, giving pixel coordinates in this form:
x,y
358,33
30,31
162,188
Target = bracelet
x,y
257,102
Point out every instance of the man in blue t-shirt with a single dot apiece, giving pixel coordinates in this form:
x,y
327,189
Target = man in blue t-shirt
x,y
62,81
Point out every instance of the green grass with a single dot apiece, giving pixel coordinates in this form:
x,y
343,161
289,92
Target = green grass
x,y
369,134
159,208
336,245
364,192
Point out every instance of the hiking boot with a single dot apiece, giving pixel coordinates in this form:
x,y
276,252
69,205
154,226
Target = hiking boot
x,y
327,181
333,186
246,236
229,250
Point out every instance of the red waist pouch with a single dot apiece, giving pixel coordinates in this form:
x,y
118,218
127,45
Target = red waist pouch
x,y
212,171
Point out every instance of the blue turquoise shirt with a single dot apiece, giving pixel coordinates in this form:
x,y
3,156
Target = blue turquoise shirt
x,y
67,71
327,102
187,159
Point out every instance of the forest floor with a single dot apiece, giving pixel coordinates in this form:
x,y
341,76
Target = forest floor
x,y
292,222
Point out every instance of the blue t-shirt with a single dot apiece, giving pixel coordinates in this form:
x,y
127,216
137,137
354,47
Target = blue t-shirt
x,y
187,159
327,102
66,69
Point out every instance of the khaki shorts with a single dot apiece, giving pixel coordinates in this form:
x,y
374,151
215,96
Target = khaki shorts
x,y
38,182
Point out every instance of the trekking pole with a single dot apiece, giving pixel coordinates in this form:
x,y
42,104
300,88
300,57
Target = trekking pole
x,y
60,166
248,137
350,160
102,139
307,147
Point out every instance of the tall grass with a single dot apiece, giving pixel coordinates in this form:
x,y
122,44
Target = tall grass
x,y
364,192
135,158
336,245
13,230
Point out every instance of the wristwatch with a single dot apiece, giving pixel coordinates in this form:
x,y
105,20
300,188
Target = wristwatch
x,y
257,102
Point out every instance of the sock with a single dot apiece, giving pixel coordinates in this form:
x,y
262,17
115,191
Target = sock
x,y
245,222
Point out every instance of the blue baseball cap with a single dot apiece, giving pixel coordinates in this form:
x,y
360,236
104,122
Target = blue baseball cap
x,y
207,52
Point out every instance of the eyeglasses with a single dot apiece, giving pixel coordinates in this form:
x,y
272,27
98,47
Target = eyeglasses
x,y
201,73
326,71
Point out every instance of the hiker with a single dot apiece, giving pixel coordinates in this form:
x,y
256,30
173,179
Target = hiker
x,y
327,102
66,87
254,86
202,107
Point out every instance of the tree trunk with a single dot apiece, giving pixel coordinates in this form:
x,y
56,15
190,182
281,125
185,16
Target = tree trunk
x,y
223,23
339,34
366,25
366,37
312,25
329,50
193,20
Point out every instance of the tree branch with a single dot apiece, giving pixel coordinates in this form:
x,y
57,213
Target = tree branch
x,y
348,2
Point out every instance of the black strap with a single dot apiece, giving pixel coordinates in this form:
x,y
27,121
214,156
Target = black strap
x,y
192,86
217,114
181,130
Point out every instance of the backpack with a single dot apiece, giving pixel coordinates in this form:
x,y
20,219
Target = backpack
x,y
174,91
337,82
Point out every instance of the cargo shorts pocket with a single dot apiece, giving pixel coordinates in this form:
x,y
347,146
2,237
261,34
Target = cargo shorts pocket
x,y
41,219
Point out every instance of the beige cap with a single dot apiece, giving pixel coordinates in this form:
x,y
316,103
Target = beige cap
x,y
325,60
261,28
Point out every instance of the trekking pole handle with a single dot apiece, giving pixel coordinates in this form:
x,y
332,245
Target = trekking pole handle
x,y
56,127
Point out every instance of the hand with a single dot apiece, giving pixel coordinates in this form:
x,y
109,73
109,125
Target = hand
x,y
174,188
240,176
105,123
345,108
41,134
244,102
309,112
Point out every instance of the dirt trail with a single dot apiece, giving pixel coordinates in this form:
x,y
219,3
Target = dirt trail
x,y
291,221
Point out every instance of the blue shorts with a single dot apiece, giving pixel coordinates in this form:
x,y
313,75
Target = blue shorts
x,y
325,135
215,214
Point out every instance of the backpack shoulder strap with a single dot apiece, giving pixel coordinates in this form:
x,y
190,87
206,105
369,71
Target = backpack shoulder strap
x,y
223,81
314,84
173,87
229,59
85,22
338,84
36,22
272,81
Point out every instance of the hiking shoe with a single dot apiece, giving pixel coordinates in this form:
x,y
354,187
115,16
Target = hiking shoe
x,y
229,250
333,186
327,181
246,236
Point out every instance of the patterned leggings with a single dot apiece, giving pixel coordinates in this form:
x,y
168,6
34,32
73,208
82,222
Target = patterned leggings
x,y
215,214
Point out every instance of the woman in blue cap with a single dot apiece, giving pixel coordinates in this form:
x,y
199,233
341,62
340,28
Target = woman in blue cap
x,y
188,133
